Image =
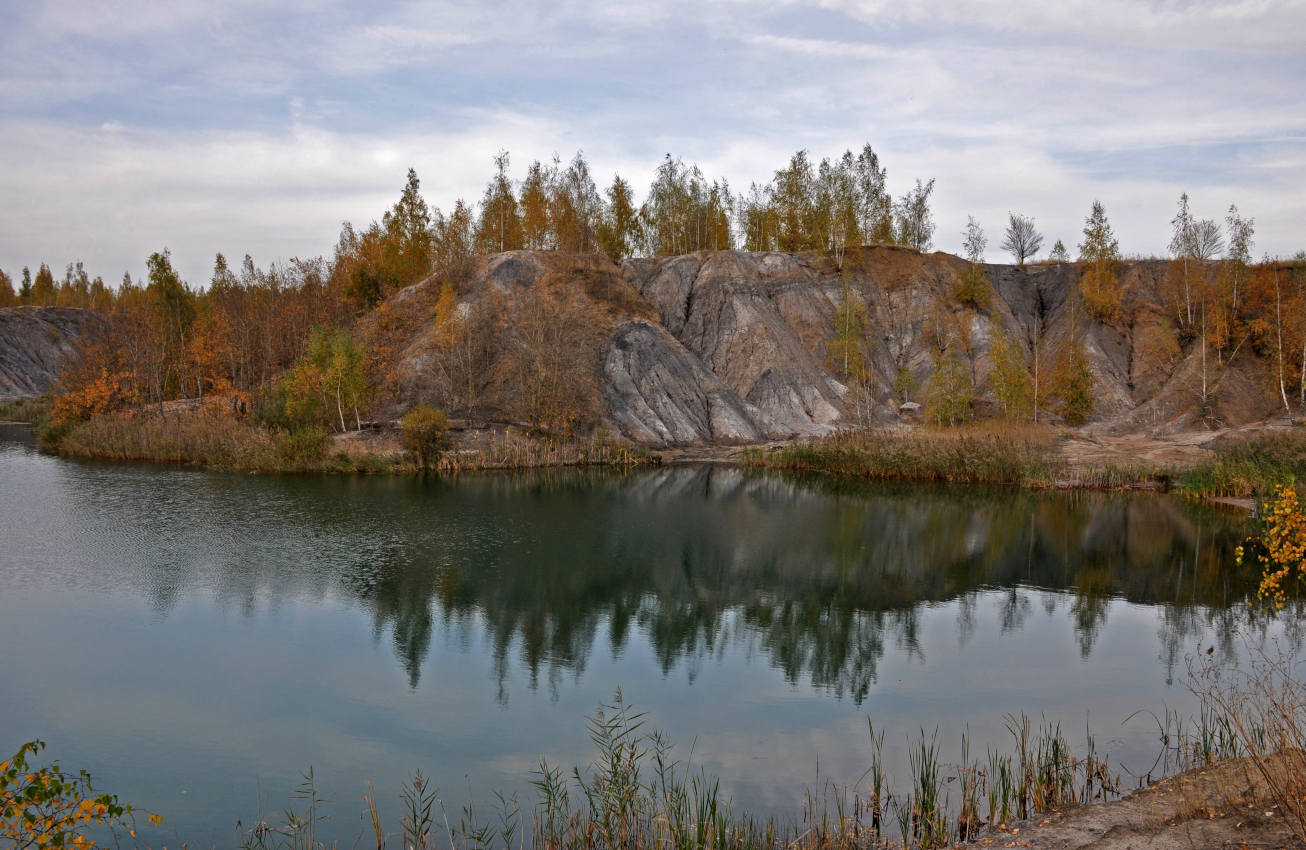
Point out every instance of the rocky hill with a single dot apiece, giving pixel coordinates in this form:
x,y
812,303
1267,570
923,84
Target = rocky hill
x,y
35,342
729,346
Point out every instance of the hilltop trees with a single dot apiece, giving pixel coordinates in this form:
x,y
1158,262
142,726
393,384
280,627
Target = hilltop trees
x,y
915,221
1021,239
500,227
1100,253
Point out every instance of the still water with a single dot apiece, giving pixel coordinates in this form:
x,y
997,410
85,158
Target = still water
x,y
196,640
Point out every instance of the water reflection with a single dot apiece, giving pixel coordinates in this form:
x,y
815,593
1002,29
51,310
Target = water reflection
x,y
818,579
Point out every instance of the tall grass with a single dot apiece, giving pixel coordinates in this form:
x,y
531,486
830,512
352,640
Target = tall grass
x,y
25,409
634,794
214,440
1249,466
1261,710
990,453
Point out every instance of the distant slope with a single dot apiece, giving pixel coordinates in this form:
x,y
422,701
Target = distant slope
x,y
731,346
34,344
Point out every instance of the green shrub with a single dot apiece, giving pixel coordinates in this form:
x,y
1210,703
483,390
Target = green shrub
x,y
425,433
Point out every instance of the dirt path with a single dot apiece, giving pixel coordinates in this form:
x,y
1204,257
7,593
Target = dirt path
x,y
1219,807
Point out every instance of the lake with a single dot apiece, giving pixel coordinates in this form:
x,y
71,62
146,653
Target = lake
x,y
197,640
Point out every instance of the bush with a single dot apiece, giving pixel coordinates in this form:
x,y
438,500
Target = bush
x,y
303,446
425,433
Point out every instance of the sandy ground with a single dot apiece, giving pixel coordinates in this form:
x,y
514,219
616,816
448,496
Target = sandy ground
x,y
1223,806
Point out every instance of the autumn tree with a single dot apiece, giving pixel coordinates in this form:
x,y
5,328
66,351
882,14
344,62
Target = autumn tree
x,y
973,288
551,360
25,288
500,227
1193,242
328,380
1071,382
8,298
455,246
619,230
683,212
575,208
913,218
1010,378
1059,253
1022,240
1100,254
534,207
875,204
791,199
407,230
43,293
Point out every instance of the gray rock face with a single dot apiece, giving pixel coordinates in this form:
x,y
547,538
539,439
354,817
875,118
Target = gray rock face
x,y
745,317
34,344
657,392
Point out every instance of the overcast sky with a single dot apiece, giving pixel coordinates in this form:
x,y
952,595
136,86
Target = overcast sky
x,y
258,127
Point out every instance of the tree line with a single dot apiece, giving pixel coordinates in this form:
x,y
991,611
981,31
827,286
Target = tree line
x,y
249,328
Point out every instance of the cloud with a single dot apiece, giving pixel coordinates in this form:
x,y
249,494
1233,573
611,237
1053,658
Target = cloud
x,y
260,126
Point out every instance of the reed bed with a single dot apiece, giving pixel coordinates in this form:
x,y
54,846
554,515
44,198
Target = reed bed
x,y
25,410
214,440
515,450
1251,466
986,454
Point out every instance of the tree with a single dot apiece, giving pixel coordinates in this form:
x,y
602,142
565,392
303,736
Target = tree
x,y
43,291
1239,254
875,205
1059,253
1100,252
949,394
1010,379
973,288
619,230
756,218
500,228
791,199
425,431
915,221
1072,381
332,373
534,207
1021,240
8,298
454,243
575,208
25,288
407,227
844,350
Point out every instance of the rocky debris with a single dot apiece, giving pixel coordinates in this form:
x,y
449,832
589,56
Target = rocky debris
x,y
34,344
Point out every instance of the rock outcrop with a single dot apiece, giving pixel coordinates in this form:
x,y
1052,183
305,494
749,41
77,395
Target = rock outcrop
x,y
34,344
730,346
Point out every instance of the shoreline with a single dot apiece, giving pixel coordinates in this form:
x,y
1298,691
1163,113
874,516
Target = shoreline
x,y
1033,457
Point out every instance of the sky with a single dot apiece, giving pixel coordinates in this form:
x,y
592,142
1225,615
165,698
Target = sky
x,y
251,127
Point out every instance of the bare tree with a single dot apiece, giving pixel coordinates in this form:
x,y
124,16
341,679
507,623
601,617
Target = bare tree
x,y
1022,239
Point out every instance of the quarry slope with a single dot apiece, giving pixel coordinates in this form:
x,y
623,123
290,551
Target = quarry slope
x,y
35,342
729,346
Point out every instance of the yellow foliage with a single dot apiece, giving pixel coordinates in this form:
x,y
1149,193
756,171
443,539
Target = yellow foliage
x,y
46,807
1282,546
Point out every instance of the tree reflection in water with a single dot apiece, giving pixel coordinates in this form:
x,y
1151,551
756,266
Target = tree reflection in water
x,y
816,578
